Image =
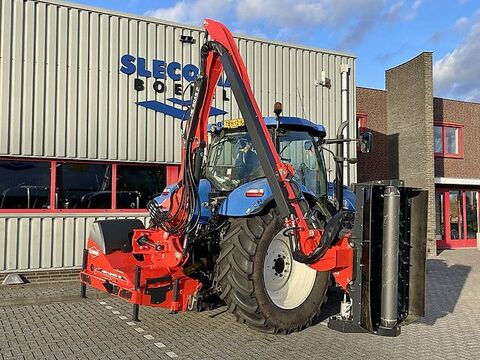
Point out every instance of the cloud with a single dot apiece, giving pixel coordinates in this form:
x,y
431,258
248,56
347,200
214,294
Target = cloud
x,y
401,10
457,74
286,19
414,10
351,19
461,24
193,11
394,11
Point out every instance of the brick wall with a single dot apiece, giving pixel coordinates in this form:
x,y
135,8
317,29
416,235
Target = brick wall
x,y
410,130
374,166
46,276
464,113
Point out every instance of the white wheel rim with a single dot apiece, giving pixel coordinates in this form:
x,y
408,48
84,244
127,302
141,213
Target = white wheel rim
x,y
288,282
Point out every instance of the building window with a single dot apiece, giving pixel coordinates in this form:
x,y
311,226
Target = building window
x,y
74,186
361,128
83,186
448,140
24,184
361,124
138,184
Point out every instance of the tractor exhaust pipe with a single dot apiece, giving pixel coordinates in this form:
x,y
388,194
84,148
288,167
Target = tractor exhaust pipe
x,y
391,215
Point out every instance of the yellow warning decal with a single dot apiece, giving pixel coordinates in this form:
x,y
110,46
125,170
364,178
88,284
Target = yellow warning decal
x,y
233,123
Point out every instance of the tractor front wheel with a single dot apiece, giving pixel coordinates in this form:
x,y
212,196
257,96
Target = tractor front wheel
x,y
261,283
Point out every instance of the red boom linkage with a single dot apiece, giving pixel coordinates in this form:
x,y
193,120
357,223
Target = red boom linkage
x,y
153,273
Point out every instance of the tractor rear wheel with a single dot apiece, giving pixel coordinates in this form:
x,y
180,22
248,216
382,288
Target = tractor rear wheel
x,y
261,283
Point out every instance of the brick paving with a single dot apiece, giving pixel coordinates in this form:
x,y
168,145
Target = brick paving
x,y
81,329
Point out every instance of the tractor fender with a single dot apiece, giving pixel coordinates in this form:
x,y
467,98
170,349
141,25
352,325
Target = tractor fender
x,y
238,204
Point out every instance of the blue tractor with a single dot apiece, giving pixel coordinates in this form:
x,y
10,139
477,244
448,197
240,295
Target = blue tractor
x,y
234,173
251,224
233,190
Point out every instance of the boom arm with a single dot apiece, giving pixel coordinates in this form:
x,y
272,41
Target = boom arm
x,y
221,53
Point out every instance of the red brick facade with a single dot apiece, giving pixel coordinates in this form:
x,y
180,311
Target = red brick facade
x,y
468,114
373,103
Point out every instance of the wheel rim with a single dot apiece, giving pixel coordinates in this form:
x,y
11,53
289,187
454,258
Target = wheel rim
x,y
288,282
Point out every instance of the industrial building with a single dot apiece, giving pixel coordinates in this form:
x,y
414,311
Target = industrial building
x,y
92,102
429,142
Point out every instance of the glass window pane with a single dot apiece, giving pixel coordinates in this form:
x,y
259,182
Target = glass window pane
x,y
24,184
456,215
451,142
439,216
298,149
138,184
438,139
83,186
472,216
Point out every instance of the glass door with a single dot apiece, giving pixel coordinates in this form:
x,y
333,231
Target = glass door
x,y
456,218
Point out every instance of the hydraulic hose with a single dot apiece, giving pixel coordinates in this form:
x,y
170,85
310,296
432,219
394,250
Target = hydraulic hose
x,y
329,236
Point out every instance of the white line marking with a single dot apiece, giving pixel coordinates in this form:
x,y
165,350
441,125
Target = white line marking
x,y
148,337
131,323
102,303
116,312
123,317
159,345
108,307
171,354
140,330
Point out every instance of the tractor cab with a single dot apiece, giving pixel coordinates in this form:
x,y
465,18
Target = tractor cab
x,y
232,159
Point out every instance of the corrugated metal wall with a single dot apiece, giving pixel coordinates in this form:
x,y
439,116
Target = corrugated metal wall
x,y
62,96
45,241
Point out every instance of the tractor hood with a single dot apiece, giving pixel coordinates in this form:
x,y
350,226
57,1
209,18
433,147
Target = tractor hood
x,y
250,198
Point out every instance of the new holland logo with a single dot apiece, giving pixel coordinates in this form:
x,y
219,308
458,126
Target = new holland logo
x,y
92,250
160,71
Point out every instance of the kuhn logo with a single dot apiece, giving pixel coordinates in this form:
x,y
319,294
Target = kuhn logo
x,y
93,252
161,71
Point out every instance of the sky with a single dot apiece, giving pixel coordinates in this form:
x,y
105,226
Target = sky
x,y
381,33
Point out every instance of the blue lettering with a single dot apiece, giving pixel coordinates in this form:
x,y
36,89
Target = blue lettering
x,y
128,64
158,69
190,72
223,83
172,71
142,69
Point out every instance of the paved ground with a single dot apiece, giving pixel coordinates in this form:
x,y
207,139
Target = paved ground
x,y
99,328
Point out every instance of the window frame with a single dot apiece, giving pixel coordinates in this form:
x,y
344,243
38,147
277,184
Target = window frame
x,y
171,176
445,125
361,123
362,119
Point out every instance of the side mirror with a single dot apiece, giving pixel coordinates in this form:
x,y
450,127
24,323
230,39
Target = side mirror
x,y
307,145
366,142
